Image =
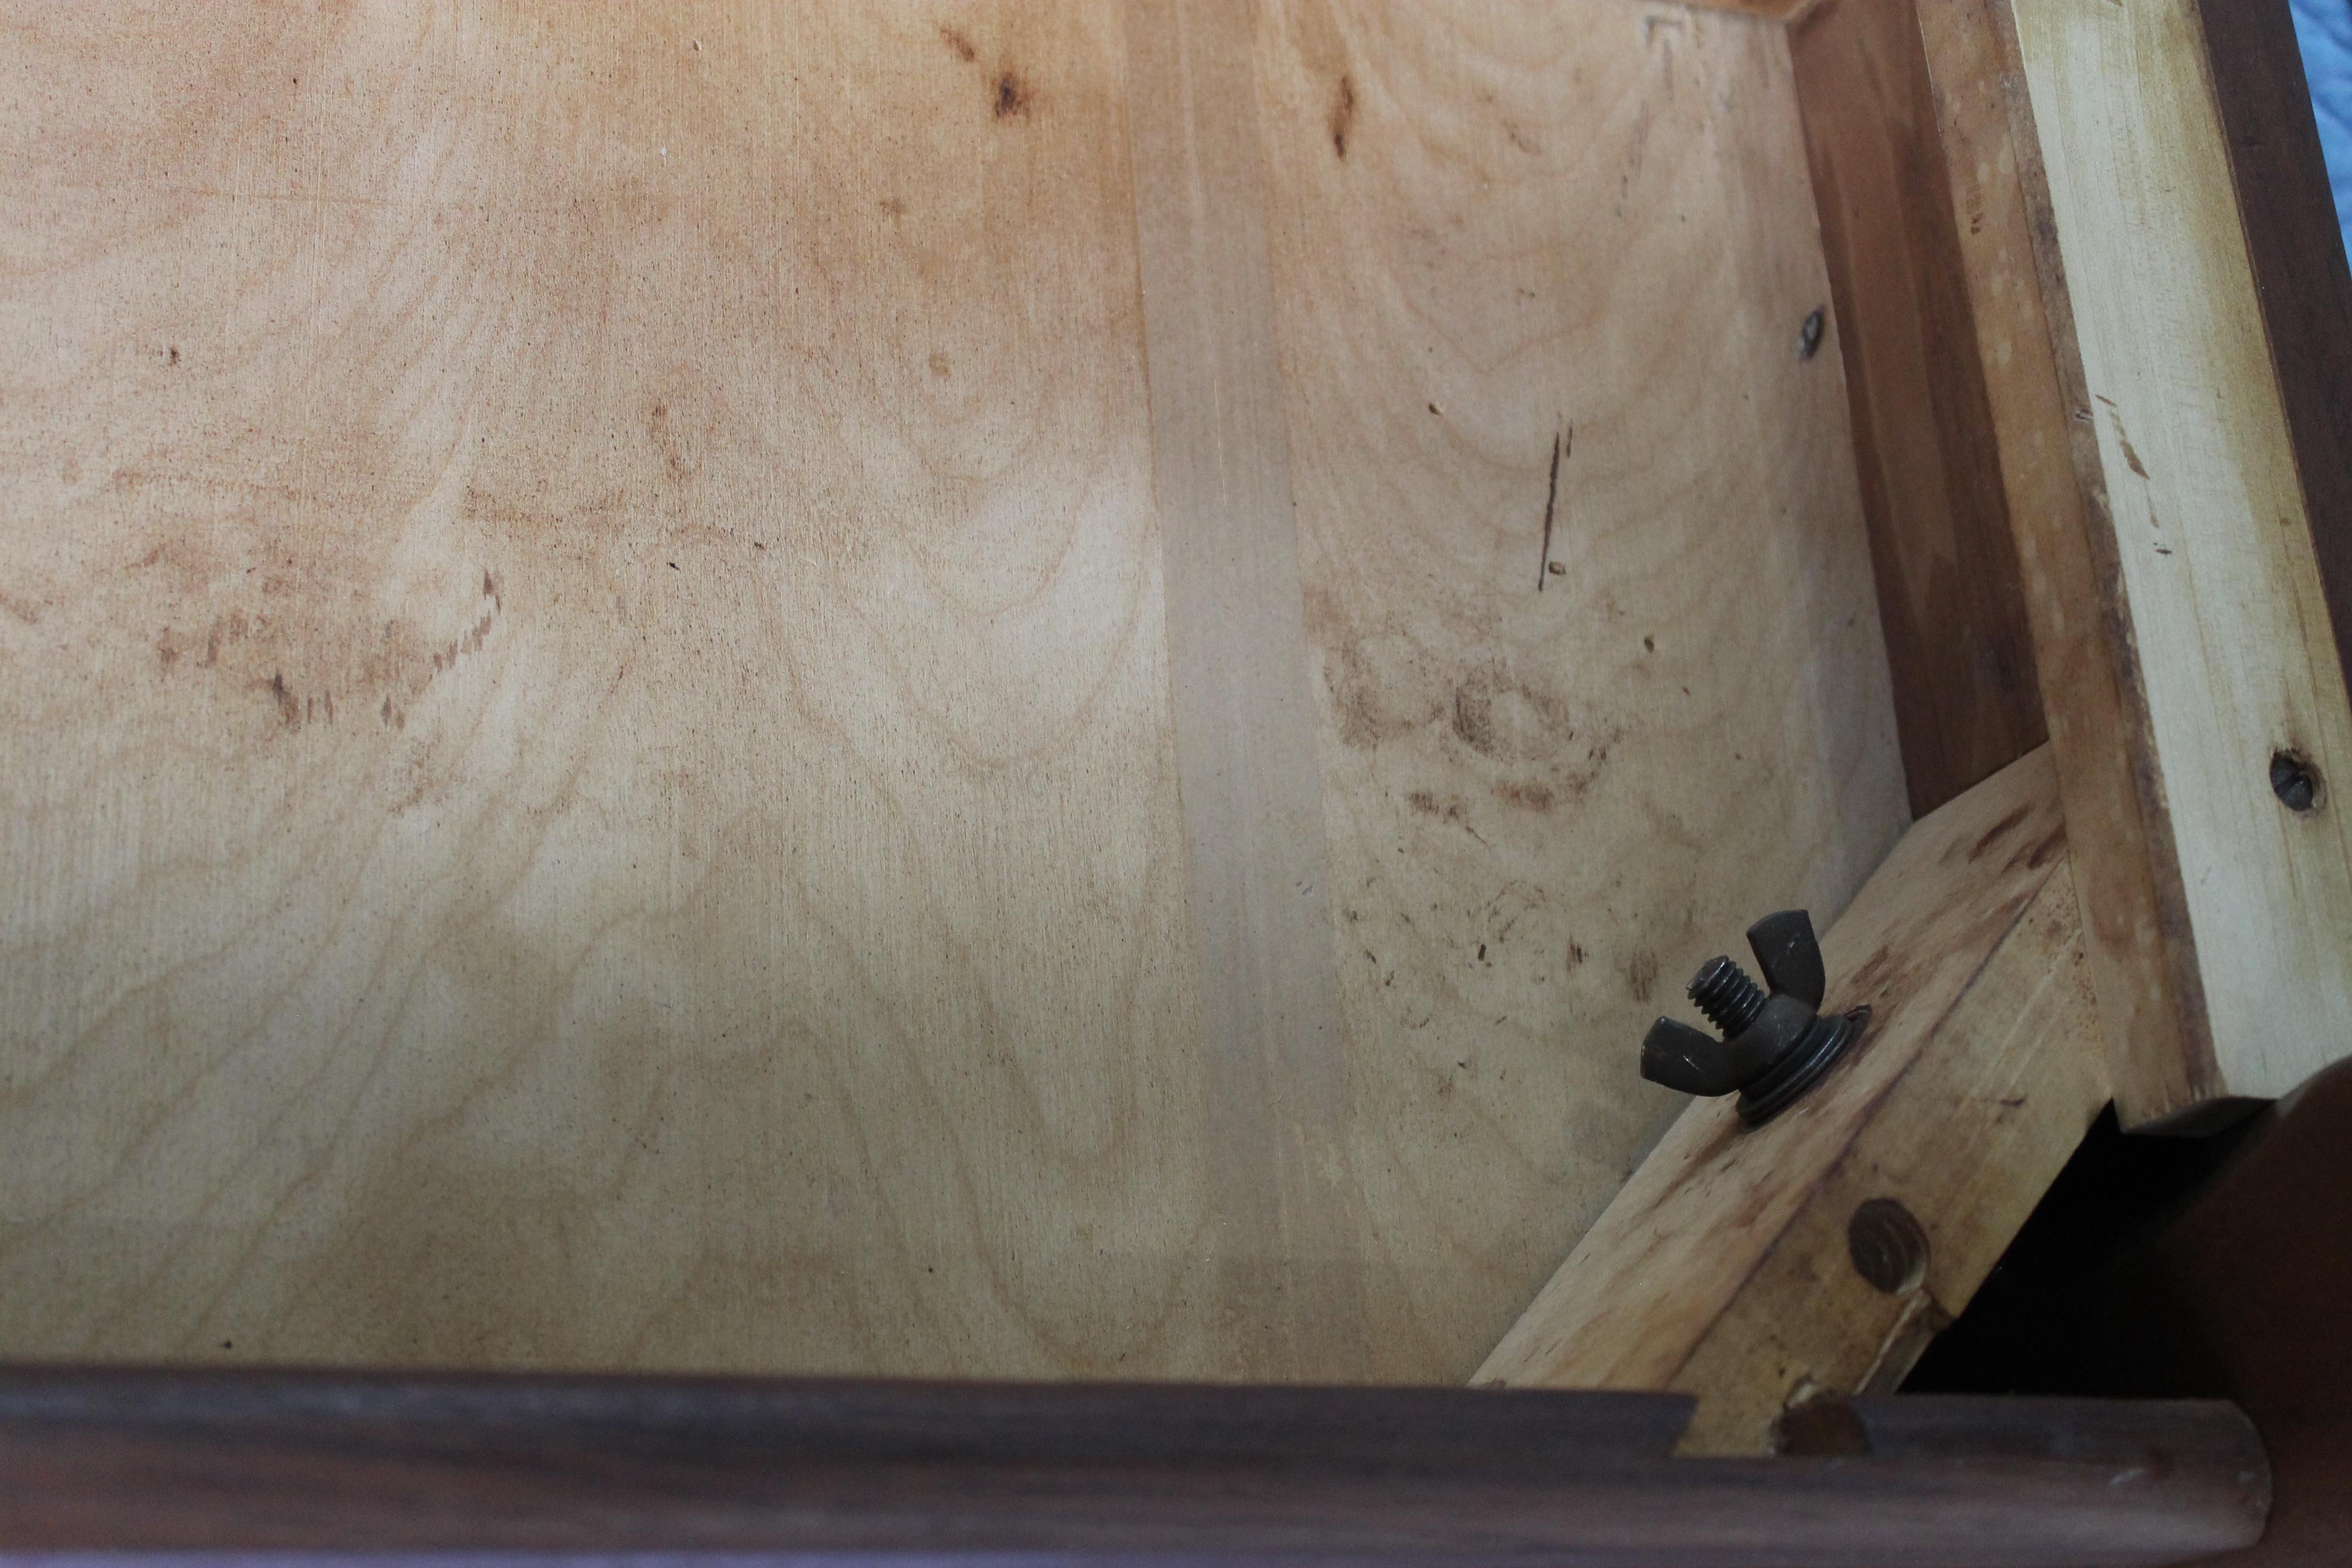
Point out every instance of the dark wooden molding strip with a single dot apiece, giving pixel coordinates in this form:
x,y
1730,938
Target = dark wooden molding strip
x,y
1967,702
126,1460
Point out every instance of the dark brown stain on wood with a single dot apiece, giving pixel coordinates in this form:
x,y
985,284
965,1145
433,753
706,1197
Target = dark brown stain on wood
x,y
1872,980
2044,850
1343,120
1642,975
1474,719
2131,456
1997,832
1012,97
1503,716
389,667
1526,796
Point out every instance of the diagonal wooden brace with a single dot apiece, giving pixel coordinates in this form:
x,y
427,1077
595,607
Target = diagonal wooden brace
x,y
1817,1255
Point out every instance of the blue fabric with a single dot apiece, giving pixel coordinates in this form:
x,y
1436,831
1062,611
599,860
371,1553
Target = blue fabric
x,y
2324,28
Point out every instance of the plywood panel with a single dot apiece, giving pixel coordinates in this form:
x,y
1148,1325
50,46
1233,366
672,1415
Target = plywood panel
x,y
588,767
1274,1057
585,691
1588,591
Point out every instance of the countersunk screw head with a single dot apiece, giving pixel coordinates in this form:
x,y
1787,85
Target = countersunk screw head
x,y
1809,336
2294,781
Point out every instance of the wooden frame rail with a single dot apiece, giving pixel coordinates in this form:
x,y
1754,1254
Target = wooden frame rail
x,y
2097,327
337,1462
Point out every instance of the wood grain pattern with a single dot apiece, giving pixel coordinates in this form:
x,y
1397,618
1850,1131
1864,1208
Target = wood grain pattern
x,y
2137,936
2295,244
595,755
2212,554
1240,1474
1724,1268
1967,701
1557,526
572,704
1275,1059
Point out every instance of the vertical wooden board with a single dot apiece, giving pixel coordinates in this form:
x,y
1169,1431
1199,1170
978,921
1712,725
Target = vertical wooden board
x,y
1273,1055
2295,242
2135,933
585,752
1503,236
2212,538
1925,434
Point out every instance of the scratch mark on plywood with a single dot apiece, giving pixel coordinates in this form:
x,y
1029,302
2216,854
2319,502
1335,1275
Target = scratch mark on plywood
x,y
1560,445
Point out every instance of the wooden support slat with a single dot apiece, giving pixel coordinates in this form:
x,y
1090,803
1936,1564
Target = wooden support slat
x,y
1732,1266
2295,244
1923,428
343,1464
2176,577
2210,605
2125,864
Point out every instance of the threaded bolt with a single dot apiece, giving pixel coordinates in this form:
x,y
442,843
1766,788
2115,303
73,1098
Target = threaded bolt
x,y
1723,993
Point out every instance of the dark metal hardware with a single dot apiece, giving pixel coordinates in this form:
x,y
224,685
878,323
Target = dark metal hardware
x,y
1775,1044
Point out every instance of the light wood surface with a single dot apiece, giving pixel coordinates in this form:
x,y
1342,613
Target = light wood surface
x,y
1539,825
598,762
1728,1266
2120,845
2303,275
1274,1056
2198,526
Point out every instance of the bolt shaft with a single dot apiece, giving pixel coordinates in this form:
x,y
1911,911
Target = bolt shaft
x,y
1725,994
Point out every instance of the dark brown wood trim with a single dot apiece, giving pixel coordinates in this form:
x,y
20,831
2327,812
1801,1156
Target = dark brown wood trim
x,y
1967,702
133,1460
2301,275
2155,1272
